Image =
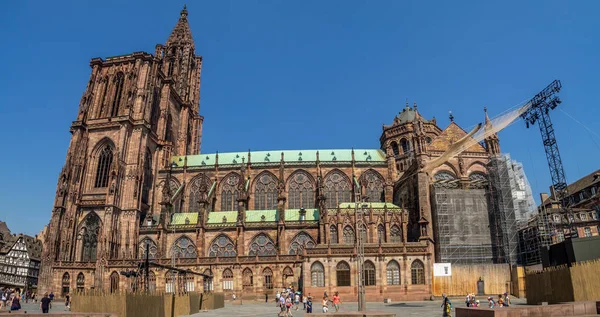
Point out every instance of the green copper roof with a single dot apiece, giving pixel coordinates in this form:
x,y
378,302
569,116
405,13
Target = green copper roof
x,y
215,217
312,214
371,205
257,215
179,218
290,156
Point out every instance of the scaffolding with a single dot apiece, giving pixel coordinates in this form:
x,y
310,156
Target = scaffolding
x,y
462,234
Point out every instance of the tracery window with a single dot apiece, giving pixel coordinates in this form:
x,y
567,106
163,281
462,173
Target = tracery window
x,y
155,112
227,280
444,175
268,276
445,179
374,184
80,282
333,234
395,234
317,275
151,281
380,233
103,169
363,234
66,283
301,241
153,249
184,248
262,245
114,282
265,192
198,187
477,176
147,177
337,189
393,273
222,246
342,274
348,235
102,99
229,192
88,237
247,278
301,192
417,272
207,281
369,273
119,82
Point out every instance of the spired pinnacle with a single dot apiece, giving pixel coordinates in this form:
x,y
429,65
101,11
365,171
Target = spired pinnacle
x,y
184,12
181,32
487,118
451,116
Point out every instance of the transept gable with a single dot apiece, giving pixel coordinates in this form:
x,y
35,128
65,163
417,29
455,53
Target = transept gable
x,y
451,134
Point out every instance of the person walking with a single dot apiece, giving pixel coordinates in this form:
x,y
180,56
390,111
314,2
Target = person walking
x,y
304,301
51,296
336,301
309,306
266,298
16,303
446,306
506,300
324,303
297,300
491,303
45,304
288,307
67,300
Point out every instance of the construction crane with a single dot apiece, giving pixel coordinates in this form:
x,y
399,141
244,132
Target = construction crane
x,y
539,111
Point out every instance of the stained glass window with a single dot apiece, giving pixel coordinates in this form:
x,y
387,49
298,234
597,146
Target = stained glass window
x,y
317,275
417,272
227,280
301,192
222,246
80,282
184,248
393,273
342,273
105,159
374,184
337,189
262,245
380,233
200,184
151,246
444,175
88,237
229,192
301,241
395,234
369,273
247,278
265,192
477,176
363,234
268,276
333,233
348,235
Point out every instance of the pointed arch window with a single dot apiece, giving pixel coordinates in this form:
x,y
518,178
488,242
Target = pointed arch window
x,y
227,280
333,234
262,245
119,82
229,193
393,273
105,160
317,275
247,278
301,192
369,273
300,242
395,234
222,246
80,282
363,234
114,282
66,283
198,190
268,278
265,192
169,129
417,273
395,148
405,146
342,274
147,177
337,189
380,233
151,281
88,237
184,248
148,243
102,98
375,185
155,110
349,235
207,281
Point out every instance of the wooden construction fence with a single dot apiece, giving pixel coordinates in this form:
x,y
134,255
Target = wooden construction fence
x,y
464,279
560,284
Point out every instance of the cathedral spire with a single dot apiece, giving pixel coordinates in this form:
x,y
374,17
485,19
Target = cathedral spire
x,y
487,118
181,32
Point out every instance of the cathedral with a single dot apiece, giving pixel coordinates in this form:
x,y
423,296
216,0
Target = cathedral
x,y
135,184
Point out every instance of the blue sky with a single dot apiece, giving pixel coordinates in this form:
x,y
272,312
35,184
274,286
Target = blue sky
x,y
302,75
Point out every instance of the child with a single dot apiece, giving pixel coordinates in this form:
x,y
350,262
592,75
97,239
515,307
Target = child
x,y
491,302
309,306
500,301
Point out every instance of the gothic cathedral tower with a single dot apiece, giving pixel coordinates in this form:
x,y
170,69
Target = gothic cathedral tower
x,y
137,111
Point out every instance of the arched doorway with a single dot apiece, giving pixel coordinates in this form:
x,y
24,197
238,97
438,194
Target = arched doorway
x,y
114,282
288,277
66,283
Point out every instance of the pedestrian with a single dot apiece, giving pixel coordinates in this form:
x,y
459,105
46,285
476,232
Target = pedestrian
x,y
304,301
277,296
288,307
16,304
282,303
468,300
67,298
324,303
491,303
266,298
45,304
51,296
500,301
506,299
233,296
297,300
446,306
3,304
336,301
309,306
